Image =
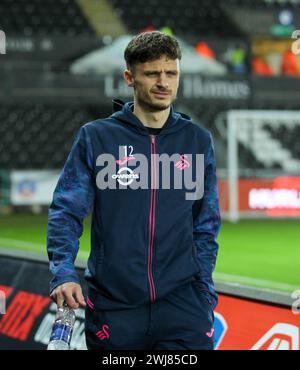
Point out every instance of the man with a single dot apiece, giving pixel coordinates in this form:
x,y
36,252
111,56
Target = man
x,y
153,250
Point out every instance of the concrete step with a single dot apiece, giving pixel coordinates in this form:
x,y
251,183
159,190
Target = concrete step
x,y
102,17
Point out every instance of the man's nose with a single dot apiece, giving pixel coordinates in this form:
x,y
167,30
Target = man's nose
x,y
163,81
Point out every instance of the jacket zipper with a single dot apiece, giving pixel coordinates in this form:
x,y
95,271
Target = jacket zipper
x,y
152,219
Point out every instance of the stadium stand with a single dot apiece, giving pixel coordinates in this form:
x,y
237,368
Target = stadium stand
x,y
47,17
191,20
273,146
39,135
187,19
288,136
265,148
262,15
259,4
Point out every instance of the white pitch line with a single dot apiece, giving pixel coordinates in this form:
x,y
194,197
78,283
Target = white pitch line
x,y
255,282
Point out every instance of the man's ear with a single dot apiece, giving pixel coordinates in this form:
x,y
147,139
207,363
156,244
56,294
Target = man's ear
x,y
128,77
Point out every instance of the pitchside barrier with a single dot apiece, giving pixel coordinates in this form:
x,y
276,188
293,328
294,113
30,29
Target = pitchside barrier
x,y
245,318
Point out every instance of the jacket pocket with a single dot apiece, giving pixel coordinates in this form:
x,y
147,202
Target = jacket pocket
x,y
203,293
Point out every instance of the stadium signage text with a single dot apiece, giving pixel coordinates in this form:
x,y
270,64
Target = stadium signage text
x,y
21,315
192,87
198,87
29,319
274,198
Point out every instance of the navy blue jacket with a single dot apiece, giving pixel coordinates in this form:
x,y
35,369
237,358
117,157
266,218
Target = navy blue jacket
x,y
144,242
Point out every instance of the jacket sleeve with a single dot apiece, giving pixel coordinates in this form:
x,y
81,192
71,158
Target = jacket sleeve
x,y
72,201
206,226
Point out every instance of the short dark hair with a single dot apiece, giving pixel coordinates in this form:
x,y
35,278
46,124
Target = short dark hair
x,y
149,46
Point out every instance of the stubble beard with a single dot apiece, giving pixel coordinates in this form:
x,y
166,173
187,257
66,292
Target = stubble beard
x,y
152,106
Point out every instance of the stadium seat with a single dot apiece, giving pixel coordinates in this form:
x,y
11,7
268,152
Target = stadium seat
x,y
188,19
38,135
43,18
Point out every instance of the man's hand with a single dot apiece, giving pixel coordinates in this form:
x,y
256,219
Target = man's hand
x,y
69,292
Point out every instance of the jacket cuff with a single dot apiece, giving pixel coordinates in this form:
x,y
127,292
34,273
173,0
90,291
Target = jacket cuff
x,y
57,281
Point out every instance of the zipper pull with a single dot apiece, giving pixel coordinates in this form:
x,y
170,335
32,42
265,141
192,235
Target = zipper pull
x,y
153,139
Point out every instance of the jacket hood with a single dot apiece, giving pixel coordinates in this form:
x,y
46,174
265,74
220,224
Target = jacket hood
x,y
123,112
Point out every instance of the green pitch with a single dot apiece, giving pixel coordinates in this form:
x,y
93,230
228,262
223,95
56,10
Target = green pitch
x,y
262,253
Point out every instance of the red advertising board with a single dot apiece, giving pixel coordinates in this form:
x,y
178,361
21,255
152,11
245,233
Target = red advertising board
x,y
273,197
240,323
243,325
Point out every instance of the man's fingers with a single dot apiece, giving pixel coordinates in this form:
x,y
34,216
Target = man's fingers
x,y
53,297
59,299
79,296
68,297
70,293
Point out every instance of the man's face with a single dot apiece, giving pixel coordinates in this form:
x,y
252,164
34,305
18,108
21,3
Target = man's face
x,y
155,83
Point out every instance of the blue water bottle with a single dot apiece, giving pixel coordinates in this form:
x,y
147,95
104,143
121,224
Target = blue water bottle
x,y
62,329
